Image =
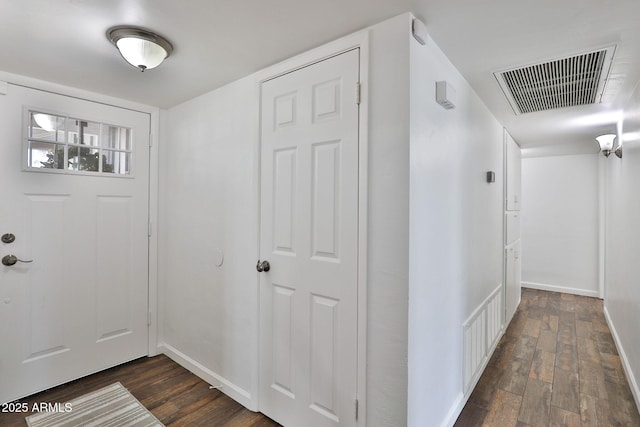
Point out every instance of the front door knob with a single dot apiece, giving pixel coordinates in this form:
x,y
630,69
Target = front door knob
x,y
10,260
263,266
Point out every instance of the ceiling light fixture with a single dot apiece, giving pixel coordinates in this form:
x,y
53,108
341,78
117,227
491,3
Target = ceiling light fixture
x,y
139,47
45,122
606,144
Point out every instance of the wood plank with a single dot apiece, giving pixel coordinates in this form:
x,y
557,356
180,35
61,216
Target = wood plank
x,y
561,418
588,350
593,411
218,411
567,318
600,325
486,387
547,341
542,366
535,313
622,407
612,367
568,302
196,400
532,327
515,328
550,322
471,416
567,357
536,403
592,379
538,301
553,305
605,343
246,418
525,347
584,329
173,387
504,410
566,390
514,378
502,353
567,334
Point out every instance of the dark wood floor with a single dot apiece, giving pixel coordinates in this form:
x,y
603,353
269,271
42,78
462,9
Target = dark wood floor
x,y
556,365
174,395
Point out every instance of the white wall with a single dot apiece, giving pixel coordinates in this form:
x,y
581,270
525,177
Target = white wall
x,y
560,224
208,182
456,241
622,300
208,188
388,223
207,204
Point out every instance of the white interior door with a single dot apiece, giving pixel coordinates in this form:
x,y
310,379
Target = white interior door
x,y
81,305
309,232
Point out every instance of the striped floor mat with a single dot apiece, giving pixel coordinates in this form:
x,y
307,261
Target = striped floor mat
x,y
111,406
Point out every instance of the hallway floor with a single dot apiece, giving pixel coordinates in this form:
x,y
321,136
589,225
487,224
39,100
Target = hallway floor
x,y
556,365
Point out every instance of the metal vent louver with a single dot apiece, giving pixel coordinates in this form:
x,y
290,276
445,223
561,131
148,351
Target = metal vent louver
x,y
566,82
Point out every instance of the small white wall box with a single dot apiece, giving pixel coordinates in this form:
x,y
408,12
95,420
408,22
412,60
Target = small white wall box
x,y
419,31
445,95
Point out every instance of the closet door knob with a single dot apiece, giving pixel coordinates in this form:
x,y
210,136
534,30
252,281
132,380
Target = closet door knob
x,y
263,266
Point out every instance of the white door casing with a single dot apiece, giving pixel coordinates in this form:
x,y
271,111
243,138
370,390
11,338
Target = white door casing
x,y
309,234
512,280
81,305
513,159
512,217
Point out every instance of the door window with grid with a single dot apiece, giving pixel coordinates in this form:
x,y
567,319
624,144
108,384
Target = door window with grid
x,y
57,143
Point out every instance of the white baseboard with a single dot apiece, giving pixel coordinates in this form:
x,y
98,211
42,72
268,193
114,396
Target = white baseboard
x,y
633,384
566,290
455,410
238,394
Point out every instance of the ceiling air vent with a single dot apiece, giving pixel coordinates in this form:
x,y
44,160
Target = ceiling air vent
x,y
566,82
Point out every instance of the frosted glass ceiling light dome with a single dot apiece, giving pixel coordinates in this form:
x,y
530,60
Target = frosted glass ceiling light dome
x,y
139,47
606,143
45,122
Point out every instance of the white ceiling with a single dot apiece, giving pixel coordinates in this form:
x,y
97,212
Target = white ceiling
x,y
218,41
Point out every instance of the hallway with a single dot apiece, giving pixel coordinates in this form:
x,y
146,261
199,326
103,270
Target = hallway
x,y
556,365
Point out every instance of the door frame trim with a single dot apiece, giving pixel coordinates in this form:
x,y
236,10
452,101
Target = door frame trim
x,y
154,132
359,40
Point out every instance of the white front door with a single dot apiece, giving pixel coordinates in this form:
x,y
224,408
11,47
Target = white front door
x,y
80,306
309,235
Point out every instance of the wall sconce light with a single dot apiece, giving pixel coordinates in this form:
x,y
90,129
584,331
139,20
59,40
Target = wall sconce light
x,y
606,145
139,47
